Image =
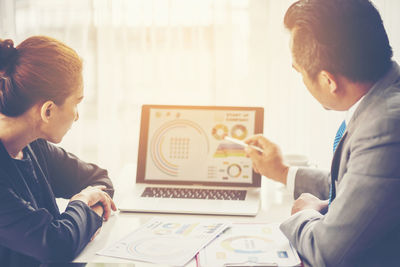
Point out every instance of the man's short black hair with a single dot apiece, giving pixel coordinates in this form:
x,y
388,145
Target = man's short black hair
x,y
345,37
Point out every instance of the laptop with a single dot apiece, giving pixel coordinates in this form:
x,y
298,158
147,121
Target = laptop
x,y
186,166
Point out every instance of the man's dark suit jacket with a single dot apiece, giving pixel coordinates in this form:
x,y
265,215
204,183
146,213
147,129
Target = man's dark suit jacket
x,y
30,234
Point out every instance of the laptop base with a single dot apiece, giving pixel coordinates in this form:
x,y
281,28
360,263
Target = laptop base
x,y
135,203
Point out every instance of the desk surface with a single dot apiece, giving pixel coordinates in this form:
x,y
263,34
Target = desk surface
x,y
276,204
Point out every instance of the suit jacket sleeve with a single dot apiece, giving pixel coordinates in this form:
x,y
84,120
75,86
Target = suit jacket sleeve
x,y
365,210
312,181
67,174
37,233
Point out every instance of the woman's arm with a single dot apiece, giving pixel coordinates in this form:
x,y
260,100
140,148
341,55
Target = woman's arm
x,y
38,234
66,173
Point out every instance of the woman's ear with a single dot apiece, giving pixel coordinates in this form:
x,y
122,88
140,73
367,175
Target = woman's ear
x,y
328,80
47,110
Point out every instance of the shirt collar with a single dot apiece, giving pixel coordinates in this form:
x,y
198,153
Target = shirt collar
x,y
351,110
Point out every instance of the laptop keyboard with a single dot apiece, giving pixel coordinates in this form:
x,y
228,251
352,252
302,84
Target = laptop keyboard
x,y
164,192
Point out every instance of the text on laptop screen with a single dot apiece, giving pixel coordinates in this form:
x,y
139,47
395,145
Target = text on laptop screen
x,y
188,145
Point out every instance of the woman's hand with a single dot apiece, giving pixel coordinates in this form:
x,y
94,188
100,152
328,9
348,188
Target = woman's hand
x,y
98,208
97,199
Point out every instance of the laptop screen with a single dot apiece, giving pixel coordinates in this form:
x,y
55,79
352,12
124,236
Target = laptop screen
x,y
185,145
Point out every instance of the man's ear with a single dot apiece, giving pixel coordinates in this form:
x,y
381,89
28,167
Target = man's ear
x,y
47,110
328,80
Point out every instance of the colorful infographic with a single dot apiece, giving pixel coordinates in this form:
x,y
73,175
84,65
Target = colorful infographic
x,y
189,145
229,149
162,241
173,142
239,132
219,131
249,244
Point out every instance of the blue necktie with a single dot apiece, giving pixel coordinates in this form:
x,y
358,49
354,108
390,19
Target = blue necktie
x,y
338,136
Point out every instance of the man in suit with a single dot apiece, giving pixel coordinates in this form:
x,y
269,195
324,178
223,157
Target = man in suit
x,y
349,216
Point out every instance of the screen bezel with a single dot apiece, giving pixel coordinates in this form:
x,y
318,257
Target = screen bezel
x,y
143,142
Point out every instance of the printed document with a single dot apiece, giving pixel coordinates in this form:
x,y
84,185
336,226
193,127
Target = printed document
x,y
167,241
249,244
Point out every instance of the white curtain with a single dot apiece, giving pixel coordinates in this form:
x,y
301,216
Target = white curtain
x,y
7,19
197,52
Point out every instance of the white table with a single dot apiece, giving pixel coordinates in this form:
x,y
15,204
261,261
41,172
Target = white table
x,y
276,204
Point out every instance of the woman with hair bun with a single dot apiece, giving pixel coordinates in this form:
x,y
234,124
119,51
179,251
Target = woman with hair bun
x,y
40,88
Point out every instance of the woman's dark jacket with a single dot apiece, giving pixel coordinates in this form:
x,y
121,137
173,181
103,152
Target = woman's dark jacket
x,y
33,231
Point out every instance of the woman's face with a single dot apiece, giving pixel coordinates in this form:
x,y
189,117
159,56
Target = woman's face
x,y
64,115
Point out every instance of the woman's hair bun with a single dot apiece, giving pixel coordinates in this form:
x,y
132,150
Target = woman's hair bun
x,y
7,54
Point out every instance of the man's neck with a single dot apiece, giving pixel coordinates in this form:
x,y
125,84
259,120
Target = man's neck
x,y
354,92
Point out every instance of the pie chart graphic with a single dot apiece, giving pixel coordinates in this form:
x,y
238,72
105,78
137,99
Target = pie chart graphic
x,y
239,131
219,131
234,170
178,143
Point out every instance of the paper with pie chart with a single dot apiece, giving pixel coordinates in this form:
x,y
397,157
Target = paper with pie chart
x,y
249,244
181,141
166,241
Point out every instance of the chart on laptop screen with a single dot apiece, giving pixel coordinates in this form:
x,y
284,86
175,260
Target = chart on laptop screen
x,y
189,145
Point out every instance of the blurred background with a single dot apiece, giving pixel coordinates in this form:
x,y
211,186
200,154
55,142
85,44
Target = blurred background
x,y
193,52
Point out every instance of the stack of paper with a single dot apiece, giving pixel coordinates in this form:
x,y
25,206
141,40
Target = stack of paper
x,y
167,241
